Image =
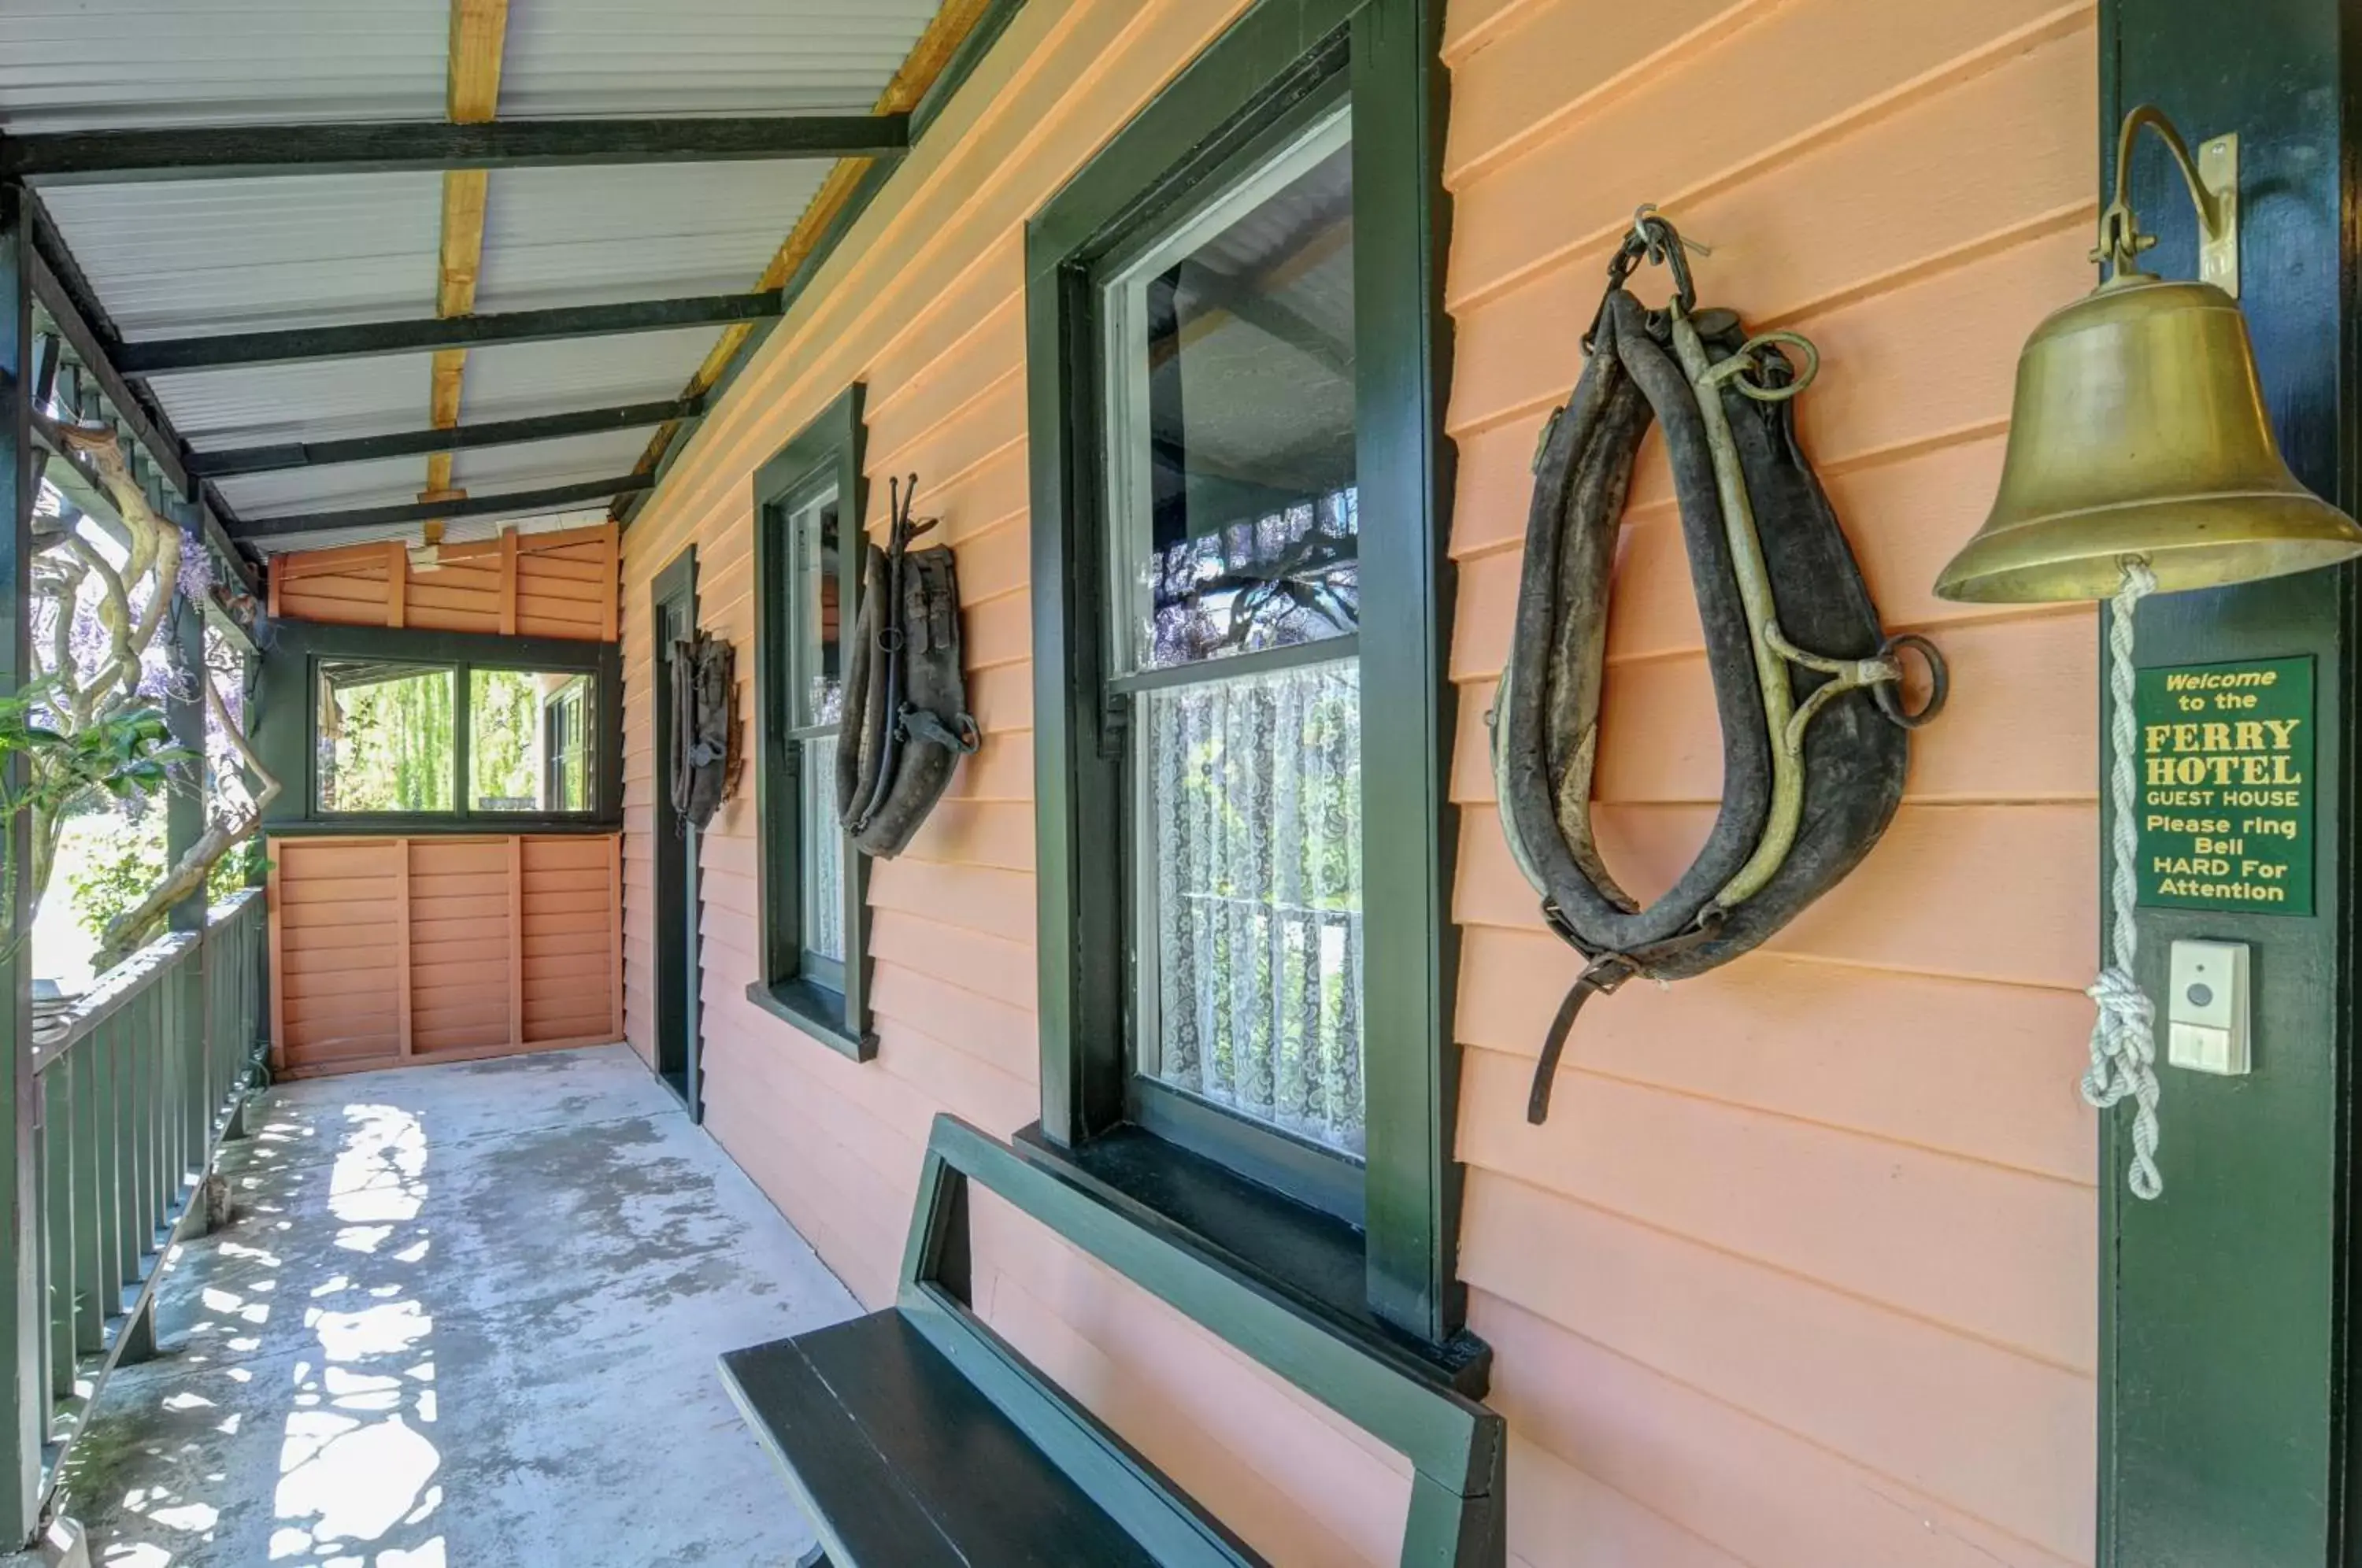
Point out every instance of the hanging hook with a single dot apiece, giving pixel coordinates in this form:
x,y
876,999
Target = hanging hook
x,y
1642,215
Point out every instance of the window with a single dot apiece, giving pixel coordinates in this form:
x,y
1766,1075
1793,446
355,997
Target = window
x,y
421,732
809,539
1244,828
516,760
566,744
388,737
1228,351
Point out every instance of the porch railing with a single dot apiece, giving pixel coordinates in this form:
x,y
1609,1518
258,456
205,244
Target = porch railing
x,y
138,1084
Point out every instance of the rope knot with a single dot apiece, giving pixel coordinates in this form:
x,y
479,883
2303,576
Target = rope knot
x,y
2123,1040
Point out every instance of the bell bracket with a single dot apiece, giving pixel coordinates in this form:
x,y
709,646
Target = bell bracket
x,y
2213,178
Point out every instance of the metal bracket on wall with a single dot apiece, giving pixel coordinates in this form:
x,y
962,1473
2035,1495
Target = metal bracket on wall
x,y
2218,247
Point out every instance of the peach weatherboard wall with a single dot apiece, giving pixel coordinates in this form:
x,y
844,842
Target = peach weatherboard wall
x,y
388,951
1801,1273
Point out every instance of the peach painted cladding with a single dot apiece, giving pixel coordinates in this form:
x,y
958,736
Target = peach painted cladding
x,y
1799,1273
536,585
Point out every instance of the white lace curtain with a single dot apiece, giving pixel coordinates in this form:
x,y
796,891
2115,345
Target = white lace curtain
x,y
1254,800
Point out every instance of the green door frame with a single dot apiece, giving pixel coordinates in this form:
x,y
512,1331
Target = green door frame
x,y
677,896
2224,1347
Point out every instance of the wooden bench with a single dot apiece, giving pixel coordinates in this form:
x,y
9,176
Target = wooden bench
x,y
916,1435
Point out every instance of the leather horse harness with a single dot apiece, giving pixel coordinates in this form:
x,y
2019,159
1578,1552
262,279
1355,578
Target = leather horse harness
x,y
1806,685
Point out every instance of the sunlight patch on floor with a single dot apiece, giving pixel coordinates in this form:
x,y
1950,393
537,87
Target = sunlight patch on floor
x,y
355,1464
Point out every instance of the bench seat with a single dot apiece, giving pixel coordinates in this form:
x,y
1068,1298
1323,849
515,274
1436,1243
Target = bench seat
x,y
870,1411
917,1437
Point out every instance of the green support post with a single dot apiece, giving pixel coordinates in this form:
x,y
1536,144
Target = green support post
x,y
122,1159
91,1090
20,1315
58,1124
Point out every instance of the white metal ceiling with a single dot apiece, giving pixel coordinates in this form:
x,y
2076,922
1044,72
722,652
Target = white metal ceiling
x,y
593,236
266,405
89,64
180,258
213,256
673,57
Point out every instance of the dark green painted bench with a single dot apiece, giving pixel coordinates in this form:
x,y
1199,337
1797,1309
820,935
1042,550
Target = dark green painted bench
x,y
916,1435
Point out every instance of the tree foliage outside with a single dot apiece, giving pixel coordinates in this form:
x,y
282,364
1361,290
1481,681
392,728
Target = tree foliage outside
x,y
124,857
387,737
88,728
505,739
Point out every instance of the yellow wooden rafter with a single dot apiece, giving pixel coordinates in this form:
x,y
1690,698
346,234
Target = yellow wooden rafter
x,y
478,37
925,62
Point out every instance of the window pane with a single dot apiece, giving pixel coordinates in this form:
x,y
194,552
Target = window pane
x,y
385,735
819,645
510,729
567,724
1232,422
1252,970
823,849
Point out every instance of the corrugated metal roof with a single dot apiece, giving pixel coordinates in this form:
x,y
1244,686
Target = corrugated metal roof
x,y
243,255
518,380
324,400
83,64
492,469
388,481
634,57
216,256
551,235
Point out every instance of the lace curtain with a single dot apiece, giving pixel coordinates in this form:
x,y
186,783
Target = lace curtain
x,y
1256,818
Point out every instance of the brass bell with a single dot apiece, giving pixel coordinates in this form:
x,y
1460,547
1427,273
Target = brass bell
x,y
2139,432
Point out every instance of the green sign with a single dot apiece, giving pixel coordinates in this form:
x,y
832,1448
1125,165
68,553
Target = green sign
x,y
2226,783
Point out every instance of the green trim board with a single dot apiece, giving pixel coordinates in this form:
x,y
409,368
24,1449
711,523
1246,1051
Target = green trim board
x,y
418,335
832,1008
2227,1354
283,456
286,737
122,157
679,968
1282,60
863,1416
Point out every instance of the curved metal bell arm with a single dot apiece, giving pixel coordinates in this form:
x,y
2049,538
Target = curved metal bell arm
x,y
2121,237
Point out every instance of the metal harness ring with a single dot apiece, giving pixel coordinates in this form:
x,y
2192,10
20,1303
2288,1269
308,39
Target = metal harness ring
x,y
1734,368
1889,693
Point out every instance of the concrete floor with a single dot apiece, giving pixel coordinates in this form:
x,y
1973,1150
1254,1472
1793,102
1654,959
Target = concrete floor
x,y
463,1317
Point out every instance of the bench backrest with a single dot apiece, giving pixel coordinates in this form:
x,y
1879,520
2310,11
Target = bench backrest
x,y
1455,1445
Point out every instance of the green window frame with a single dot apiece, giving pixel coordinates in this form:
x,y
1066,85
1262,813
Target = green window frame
x,y
1275,73
565,745
825,995
288,737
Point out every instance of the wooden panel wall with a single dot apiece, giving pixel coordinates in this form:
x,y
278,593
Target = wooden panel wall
x,y
534,585
391,951
1801,1270
1801,1273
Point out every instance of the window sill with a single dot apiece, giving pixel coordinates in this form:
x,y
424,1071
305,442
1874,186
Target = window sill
x,y
818,1013
1312,1260
482,824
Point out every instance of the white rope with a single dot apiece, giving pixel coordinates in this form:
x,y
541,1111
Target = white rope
x,y
2123,1038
